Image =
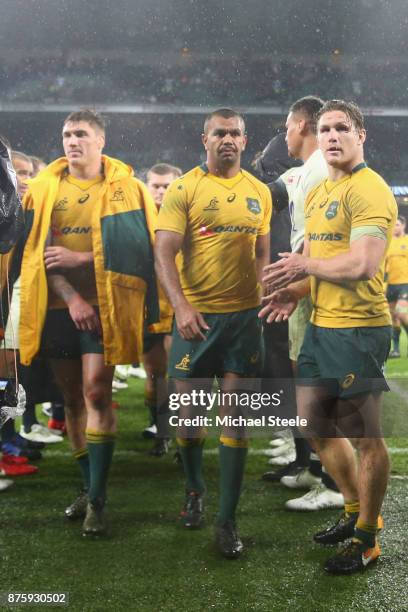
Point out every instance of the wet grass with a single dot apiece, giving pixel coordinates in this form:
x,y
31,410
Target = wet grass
x,y
149,563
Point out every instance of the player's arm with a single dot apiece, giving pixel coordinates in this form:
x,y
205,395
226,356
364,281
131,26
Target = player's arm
x,y
190,323
57,257
359,263
262,252
279,304
83,314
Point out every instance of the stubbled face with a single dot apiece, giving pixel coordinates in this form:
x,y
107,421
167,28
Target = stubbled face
x,y
224,141
24,171
294,125
340,141
399,229
157,185
83,143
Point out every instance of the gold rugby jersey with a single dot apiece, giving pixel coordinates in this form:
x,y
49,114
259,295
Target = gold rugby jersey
x,y
332,210
71,228
396,264
220,220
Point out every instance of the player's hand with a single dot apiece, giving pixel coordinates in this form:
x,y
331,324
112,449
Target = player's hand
x,y
190,323
279,305
60,257
84,315
290,268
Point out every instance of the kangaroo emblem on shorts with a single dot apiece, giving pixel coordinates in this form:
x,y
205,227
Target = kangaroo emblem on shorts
x,y
184,363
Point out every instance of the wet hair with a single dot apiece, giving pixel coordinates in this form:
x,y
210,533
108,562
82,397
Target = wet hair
x,y
37,162
20,155
89,116
350,109
309,107
162,169
226,113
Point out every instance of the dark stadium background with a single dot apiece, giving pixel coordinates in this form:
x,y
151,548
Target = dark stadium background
x,y
155,67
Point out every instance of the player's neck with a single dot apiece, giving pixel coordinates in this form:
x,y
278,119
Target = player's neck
x,y
226,172
87,173
335,174
308,148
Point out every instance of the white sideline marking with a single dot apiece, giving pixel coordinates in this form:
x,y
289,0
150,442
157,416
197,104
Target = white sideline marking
x,y
209,451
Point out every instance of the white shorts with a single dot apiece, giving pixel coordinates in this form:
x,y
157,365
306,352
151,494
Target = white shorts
x,y
297,326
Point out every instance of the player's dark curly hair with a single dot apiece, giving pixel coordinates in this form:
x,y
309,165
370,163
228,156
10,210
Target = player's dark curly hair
x,y
309,107
350,109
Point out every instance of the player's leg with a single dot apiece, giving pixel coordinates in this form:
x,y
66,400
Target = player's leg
x,y
233,450
192,365
61,344
401,311
242,349
68,377
396,330
155,364
373,476
100,435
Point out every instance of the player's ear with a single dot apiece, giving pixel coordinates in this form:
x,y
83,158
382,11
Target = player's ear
x,y
302,125
362,136
101,141
245,142
204,139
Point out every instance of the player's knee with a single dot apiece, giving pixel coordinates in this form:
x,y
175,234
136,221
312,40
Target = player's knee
x,y
371,445
97,394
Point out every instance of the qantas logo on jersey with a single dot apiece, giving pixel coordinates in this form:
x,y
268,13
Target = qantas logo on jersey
x,y
238,229
323,237
64,231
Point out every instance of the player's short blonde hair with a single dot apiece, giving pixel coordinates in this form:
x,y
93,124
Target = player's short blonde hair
x,y
350,109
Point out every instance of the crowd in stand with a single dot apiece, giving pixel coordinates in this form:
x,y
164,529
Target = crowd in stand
x,y
200,80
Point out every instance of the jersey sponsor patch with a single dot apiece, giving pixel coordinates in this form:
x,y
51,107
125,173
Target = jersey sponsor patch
x,y
64,231
238,229
332,209
253,206
323,236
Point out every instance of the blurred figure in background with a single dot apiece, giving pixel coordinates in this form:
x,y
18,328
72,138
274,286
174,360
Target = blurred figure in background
x,y
396,274
157,337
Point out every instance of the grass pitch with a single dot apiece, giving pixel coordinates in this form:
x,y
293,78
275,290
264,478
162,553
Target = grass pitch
x,y
148,563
